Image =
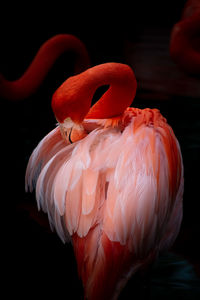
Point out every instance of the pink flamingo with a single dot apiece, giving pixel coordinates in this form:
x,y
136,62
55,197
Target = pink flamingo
x,y
185,39
42,63
110,178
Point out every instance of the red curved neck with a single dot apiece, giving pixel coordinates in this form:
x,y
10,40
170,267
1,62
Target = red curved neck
x,y
73,98
42,63
120,93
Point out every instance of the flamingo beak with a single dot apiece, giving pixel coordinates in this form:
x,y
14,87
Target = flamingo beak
x,y
71,131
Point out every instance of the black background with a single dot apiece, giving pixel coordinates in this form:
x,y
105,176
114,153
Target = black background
x,y
36,261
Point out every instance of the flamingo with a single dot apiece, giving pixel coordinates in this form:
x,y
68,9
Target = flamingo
x,y
42,63
110,178
185,39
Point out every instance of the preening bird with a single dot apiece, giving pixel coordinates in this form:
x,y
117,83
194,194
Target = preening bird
x,y
110,178
49,52
185,39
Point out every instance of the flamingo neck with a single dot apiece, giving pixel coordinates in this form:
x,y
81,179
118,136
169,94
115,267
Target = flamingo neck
x,y
42,63
73,98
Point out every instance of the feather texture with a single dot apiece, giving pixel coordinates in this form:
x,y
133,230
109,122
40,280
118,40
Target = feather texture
x,y
117,193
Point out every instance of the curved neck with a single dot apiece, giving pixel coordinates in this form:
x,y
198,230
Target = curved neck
x,y
42,63
120,94
73,98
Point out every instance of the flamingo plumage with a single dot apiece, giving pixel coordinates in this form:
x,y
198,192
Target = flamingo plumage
x,y
110,178
185,39
43,61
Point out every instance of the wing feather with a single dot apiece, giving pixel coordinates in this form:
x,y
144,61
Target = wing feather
x,y
117,180
90,180
48,146
140,184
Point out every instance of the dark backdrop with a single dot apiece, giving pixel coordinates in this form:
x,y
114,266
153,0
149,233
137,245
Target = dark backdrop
x,y
36,261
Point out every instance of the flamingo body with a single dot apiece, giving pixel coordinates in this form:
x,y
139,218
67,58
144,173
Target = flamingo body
x,y
117,193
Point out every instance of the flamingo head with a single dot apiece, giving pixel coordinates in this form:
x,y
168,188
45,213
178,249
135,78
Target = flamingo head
x,y
72,100
70,105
